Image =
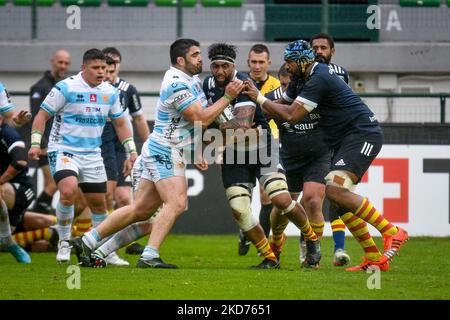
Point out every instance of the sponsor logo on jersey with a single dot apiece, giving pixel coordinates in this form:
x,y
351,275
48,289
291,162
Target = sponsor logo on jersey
x,y
90,120
93,97
181,98
93,109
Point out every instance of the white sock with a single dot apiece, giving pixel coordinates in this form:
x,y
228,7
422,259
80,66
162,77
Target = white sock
x,y
98,218
64,215
91,239
150,253
120,239
5,228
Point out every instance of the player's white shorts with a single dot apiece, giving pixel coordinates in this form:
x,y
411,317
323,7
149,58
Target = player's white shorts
x,y
161,162
136,174
89,167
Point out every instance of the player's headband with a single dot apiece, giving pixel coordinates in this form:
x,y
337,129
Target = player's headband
x,y
222,58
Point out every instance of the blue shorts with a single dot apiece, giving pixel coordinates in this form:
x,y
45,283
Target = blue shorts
x,y
161,162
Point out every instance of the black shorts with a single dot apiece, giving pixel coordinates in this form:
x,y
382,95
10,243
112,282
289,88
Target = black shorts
x,y
24,197
266,162
109,160
113,154
356,152
299,171
240,173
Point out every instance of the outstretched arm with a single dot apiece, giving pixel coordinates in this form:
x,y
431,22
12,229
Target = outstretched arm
x,y
290,113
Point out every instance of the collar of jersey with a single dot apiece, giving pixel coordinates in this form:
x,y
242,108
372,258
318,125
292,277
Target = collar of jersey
x,y
235,75
181,73
84,83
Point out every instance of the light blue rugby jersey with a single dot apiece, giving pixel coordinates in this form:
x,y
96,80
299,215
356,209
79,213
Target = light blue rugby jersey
x,y
80,113
178,91
5,102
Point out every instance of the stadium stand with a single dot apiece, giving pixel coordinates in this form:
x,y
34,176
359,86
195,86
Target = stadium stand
x,y
40,3
171,3
222,3
83,3
286,19
131,3
420,3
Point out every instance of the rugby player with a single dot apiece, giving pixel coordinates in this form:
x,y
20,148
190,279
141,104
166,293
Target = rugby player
x,y
181,103
80,106
355,138
239,178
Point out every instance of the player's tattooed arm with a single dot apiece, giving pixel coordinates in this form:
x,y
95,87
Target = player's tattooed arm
x,y
243,119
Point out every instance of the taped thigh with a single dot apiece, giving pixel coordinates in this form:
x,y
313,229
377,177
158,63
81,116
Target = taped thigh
x,y
274,184
240,200
340,179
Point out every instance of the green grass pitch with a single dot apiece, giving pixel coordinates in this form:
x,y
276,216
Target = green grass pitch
x,y
209,268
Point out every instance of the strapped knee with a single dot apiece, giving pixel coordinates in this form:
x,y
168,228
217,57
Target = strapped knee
x,y
340,179
275,184
289,208
240,200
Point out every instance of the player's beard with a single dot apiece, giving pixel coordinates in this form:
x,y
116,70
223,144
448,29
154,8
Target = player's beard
x,y
194,69
323,59
225,82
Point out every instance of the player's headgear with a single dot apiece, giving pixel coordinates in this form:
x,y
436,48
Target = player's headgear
x,y
222,52
301,52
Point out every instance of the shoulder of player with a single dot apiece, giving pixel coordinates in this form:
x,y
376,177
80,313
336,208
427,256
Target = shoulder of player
x,y
319,70
172,86
125,86
338,69
108,88
9,133
209,83
275,93
273,80
270,84
69,81
66,85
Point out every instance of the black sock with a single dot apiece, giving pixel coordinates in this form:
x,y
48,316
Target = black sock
x,y
44,197
264,218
